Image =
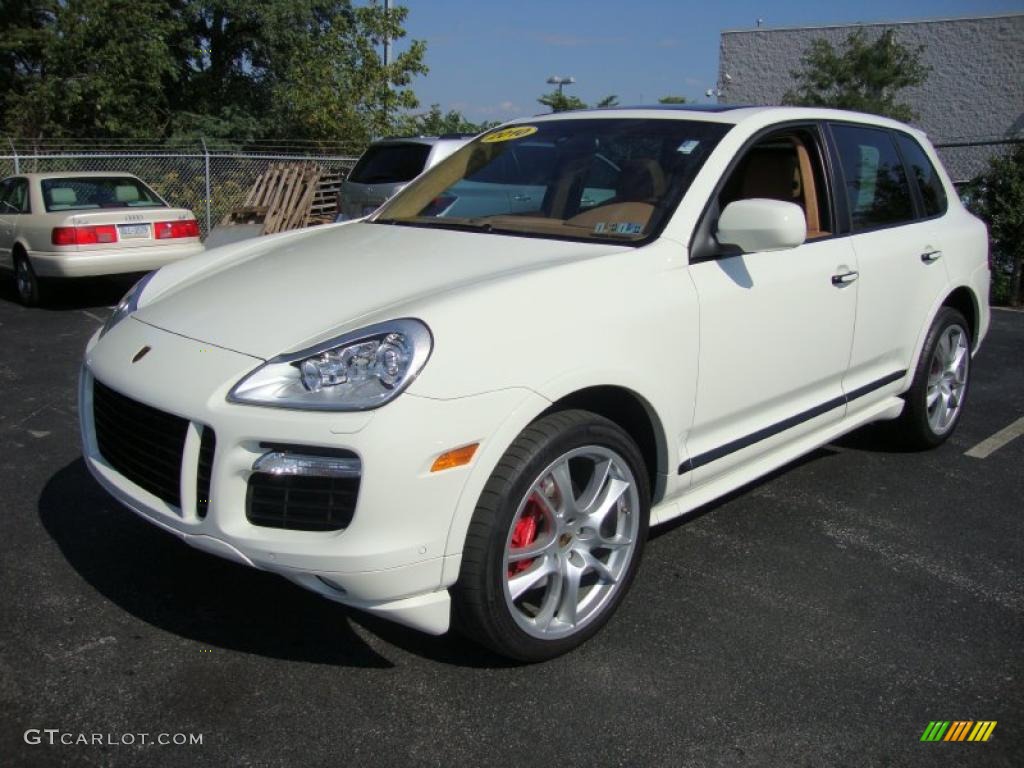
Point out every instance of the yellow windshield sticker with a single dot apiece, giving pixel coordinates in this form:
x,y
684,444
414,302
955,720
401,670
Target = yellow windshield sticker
x,y
508,134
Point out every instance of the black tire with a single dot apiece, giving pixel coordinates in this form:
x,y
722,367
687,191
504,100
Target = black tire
x,y
484,609
26,283
917,428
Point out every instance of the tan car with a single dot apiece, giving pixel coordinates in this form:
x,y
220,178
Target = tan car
x,y
83,224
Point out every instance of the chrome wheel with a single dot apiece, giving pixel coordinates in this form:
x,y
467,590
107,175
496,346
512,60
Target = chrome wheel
x,y
571,542
947,378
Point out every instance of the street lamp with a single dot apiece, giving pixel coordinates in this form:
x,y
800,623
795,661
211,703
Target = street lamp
x,y
561,82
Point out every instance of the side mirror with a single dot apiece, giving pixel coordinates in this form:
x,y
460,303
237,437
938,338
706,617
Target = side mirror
x,y
762,225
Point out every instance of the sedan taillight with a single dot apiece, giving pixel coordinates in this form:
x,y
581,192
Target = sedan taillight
x,y
100,233
164,230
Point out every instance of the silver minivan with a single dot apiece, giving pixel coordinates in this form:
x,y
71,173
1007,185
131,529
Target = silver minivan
x,y
387,166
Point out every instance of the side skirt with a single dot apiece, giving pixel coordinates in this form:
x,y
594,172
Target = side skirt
x,y
889,408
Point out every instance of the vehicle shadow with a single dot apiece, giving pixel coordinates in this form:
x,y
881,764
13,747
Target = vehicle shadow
x,y
80,293
879,437
166,583
689,517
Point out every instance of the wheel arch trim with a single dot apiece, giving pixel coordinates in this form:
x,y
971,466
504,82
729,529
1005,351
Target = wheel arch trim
x,y
953,296
528,411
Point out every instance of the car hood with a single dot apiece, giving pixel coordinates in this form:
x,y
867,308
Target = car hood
x,y
271,298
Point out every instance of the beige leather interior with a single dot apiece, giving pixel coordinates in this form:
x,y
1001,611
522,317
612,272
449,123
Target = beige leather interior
x,y
770,173
641,183
783,173
640,180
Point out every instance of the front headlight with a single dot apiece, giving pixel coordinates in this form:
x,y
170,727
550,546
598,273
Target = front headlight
x,y
356,372
126,305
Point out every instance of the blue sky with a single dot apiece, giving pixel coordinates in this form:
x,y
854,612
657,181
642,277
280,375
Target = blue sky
x,y
490,60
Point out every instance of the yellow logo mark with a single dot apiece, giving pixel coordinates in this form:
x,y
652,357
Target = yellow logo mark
x,y
508,134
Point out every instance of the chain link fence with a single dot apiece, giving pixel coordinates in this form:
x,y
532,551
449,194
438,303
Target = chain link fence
x,y
210,178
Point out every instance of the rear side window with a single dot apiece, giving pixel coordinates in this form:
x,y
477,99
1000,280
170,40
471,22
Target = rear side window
x,y
877,191
390,163
933,195
14,196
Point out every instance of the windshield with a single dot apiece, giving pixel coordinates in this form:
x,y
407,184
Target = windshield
x,y
390,163
583,179
76,194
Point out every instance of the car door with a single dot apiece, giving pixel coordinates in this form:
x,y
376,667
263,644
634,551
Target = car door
x,y
775,327
7,217
899,253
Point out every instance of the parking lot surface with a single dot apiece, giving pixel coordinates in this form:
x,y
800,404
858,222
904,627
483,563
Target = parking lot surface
x,y
821,617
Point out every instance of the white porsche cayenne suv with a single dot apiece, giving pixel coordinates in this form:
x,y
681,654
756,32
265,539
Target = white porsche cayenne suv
x,y
472,421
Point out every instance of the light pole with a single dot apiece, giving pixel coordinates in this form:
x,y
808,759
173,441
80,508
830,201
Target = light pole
x,y
387,63
561,82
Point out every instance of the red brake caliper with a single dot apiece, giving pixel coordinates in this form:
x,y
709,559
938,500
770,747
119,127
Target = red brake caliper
x,y
524,534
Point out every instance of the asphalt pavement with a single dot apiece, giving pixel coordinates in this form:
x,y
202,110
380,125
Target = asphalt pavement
x,y
823,616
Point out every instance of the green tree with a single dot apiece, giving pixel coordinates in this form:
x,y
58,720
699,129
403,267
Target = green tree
x,y
245,69
864,75
560,102
339,86
997,197
89,75
26,28
672,100
434,122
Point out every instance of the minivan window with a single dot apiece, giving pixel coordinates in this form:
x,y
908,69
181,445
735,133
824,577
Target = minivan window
x,y
933,194
877,191
390,163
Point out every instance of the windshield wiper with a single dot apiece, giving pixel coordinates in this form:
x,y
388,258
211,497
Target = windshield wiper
x,y
465,225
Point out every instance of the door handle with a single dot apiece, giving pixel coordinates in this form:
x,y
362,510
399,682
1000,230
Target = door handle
x,y
845,278
929,256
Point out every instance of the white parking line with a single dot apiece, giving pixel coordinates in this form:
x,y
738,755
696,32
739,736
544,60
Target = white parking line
x,y
90,314
989,445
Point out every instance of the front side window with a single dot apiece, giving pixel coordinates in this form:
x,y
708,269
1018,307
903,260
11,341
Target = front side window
x,y
933,194
390,164
91,192
785,166
612,179
877,192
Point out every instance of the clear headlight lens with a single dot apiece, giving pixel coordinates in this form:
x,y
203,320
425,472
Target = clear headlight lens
x,y
126,305
358,371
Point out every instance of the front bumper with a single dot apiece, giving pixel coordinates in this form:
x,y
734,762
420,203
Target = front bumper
x,y
391,559
112,262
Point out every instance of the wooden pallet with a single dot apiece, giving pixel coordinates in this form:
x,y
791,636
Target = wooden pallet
x,y
324,207
282,194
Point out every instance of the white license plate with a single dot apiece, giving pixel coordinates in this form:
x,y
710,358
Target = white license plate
x,y
128,231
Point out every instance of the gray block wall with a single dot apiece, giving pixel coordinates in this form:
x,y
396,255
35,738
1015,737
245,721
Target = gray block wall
x,y
974,94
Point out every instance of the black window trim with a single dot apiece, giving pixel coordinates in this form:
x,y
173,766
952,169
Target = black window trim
x,y
703,251
915,187
841,180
